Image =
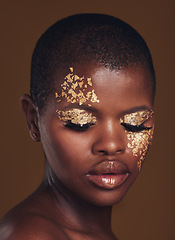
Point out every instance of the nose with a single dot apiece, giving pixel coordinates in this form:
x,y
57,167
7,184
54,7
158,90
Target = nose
x,y
109,140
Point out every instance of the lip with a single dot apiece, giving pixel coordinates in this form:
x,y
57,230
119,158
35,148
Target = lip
x,y
108,174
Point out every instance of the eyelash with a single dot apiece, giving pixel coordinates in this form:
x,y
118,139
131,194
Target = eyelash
x,y
134,128
78,127
85,127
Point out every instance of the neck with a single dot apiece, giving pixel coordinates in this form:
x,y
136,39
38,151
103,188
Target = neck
x,y
74,212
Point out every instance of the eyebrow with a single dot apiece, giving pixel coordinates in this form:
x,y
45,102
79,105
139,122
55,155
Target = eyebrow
x,y
83,107
137,109
94,110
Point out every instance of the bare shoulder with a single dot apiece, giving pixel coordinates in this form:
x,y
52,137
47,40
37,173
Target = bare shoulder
x,y
31,220
29,228
25,230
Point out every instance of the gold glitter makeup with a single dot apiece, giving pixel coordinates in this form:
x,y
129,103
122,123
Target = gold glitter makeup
x,y
139,141
73,89
76,116
137,118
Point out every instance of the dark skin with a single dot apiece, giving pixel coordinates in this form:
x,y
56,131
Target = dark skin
x,y
68,205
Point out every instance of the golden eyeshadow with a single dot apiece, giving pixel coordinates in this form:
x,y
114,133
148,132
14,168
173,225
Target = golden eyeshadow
x,y
76,116
140,141
137,118
74,89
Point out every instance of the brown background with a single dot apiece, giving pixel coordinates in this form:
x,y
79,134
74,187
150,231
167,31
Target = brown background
x,y
148,211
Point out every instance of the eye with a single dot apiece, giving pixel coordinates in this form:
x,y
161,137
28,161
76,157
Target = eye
x,y
78,127
134,122
77,119
135,128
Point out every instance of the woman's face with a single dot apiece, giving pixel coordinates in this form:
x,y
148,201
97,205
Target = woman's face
x,y
97,129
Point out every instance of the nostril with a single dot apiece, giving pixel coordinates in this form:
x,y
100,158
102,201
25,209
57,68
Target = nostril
x,y
108,148
102,152
108,152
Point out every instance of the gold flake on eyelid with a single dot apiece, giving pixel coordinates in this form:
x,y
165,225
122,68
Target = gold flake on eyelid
x,y
76,116
137,118
139,142
73,89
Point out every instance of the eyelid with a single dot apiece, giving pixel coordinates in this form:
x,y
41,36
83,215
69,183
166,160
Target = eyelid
x,y
137,118
76,116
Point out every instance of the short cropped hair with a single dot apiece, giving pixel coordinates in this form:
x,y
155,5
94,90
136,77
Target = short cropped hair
x,y
84,38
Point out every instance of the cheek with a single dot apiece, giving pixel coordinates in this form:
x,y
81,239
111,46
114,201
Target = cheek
x,y
66,150
139,142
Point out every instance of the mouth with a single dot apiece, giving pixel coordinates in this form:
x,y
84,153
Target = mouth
x,y
108,174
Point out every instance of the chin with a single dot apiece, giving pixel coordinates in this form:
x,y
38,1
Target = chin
x,y
108,198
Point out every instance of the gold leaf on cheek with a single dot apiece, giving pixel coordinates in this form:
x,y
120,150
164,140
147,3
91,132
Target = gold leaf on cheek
x,y
81,84
74,85
139,142
89,81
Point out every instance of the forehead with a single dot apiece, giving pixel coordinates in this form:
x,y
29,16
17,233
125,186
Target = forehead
x,y
130,86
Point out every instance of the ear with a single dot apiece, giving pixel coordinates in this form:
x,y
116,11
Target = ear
x,y
31,113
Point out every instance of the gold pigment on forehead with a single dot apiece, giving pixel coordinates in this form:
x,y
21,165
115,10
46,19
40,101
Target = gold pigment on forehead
x,y
76,116
73,89
140,141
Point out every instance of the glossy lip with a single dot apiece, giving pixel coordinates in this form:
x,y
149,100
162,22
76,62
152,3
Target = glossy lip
x,y
108,174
